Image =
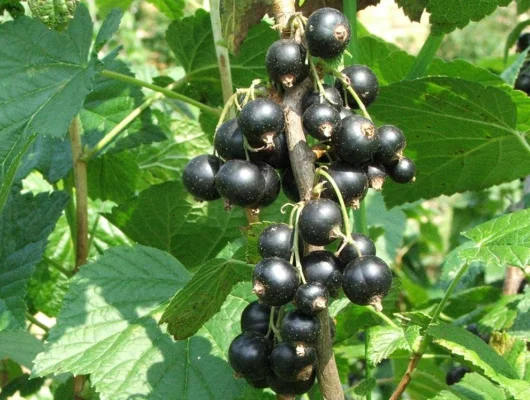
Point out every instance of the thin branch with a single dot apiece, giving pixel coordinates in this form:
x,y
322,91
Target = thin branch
x,y
166,92
36,322
52,263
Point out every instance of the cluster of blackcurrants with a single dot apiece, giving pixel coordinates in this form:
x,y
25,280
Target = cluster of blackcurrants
x,y
523,79
276,348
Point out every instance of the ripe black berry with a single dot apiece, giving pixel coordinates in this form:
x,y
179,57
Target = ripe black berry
x,y
255,318
311,298
363,81
321,121
289,186
275,281
300,327
357,141
276,240
261,120
523,82
258,383
293,361
323,267
240,182
456,374
290,389
523,42
352,182
199,177
249,355
332,97
362,246
328,33
345,112
286,62
367,280
272,186
229,141
277,155
392,142
376,174
404,171
320,222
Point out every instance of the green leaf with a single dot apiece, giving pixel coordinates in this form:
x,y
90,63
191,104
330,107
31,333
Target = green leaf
x,y
511,73
204,295
25,224
191,41
108,328
472,387
474,151
501,241
113,177
54,13
514,36
453,262
174,9
413,8
106,6
365,387
473,350
166,217
521,326
502,315
21,347
522,6
383,341
44,73
447,16
108,28
351,320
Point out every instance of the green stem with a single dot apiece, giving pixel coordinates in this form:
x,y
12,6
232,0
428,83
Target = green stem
x,y
361,219
296,250
367,366
166,92
351,91
350,10
425,56
382,316
93,232
57,266
343,208
36,322
413,363
69,212
122,125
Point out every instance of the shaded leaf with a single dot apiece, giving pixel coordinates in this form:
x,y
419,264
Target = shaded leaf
x,y
383,341
108,28
513,37
413,8
21,347
511,73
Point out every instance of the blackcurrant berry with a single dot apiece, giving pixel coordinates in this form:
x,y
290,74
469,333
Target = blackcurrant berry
x,y
286,62
248,355
229,141
357,140
299,327
276,240
321,121
323,267
404,171
320,222
522,83
351,181
290,389
332,97
289,186
376,174
362,246
311,298
523,42
277,155
456,374
293,361
261,120
272,186
473,328
240,182
258,383
255,318
367,280
275,281
363,81
199,177
328,33
392,142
